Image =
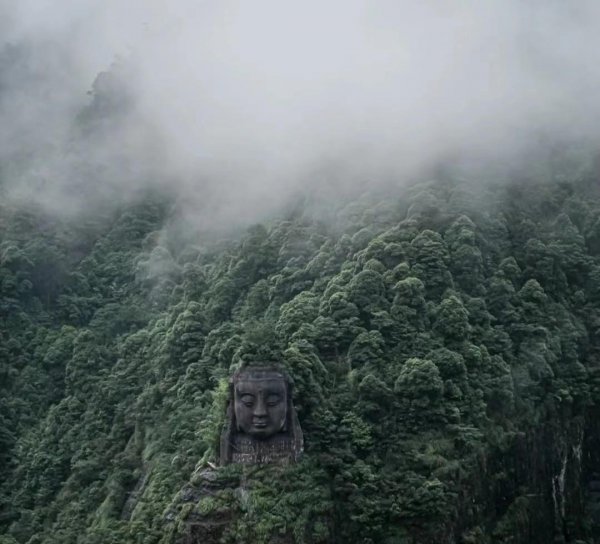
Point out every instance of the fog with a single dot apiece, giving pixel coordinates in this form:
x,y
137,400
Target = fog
x,y
238,106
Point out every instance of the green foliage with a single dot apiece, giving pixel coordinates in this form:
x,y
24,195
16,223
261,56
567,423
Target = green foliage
x,y
423,333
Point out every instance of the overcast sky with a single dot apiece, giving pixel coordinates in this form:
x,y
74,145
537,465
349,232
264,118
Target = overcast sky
x,y
250,100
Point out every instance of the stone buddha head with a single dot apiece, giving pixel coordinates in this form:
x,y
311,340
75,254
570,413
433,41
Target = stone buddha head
x,y
261,422
260,401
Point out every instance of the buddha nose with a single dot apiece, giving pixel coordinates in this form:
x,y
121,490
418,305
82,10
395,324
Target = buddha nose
x,y
261,409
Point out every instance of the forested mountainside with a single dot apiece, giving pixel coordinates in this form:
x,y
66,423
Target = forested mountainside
x,y
443,339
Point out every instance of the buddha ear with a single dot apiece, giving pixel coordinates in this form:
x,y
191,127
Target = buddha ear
x,y
288,411
231,406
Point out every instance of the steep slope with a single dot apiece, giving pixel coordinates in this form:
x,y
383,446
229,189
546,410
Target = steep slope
x,y
443,340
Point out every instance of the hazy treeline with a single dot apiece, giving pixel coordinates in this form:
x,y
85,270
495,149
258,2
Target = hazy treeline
x,y
425,331
187,187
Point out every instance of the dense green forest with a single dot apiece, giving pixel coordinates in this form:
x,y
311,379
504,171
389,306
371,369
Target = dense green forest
x,y
442,336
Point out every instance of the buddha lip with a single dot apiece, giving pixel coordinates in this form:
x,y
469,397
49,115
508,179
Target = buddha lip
x,y
260,424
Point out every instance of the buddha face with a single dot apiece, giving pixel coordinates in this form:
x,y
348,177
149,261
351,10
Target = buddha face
x,y
260,402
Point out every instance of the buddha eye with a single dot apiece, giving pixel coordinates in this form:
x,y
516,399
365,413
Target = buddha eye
x,y
273,400
248,400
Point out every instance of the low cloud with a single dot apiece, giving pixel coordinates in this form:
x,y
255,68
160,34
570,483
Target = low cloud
x,y
237,106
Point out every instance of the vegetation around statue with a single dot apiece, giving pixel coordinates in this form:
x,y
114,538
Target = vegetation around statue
x,y
442,340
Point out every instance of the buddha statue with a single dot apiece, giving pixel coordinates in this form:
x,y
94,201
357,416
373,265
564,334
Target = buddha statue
x,y
262,425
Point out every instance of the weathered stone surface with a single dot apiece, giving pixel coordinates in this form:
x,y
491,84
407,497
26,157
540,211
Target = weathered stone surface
x,y
228,489
262,425
261,428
